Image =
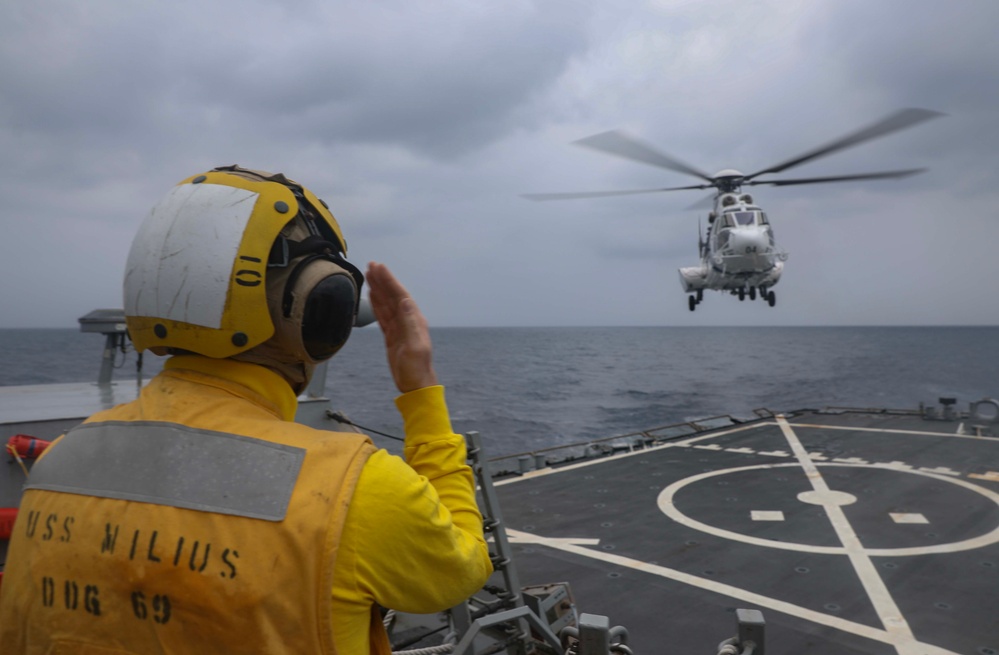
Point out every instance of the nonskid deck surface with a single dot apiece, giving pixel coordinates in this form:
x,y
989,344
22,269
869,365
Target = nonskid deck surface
x,y
851,532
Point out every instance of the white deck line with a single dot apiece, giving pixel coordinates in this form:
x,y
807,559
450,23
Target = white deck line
x,y
892,431
895,624
861,630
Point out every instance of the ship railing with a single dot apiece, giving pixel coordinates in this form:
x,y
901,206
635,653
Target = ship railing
x,y
983,417
562,454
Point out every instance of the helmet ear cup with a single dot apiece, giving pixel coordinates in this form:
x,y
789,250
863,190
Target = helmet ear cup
x,y
320,299
328,316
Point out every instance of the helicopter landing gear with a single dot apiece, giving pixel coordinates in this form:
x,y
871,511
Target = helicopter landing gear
x,y
752,293
700,295
742,293
692,302
771,299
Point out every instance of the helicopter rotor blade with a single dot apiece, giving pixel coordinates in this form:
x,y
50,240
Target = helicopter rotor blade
x,y
704,203
616,143
603,194
840,178
897,121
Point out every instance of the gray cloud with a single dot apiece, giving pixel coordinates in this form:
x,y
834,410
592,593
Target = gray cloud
x,y
421,123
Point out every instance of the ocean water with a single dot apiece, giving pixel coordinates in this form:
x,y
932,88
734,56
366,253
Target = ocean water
x,y
527,388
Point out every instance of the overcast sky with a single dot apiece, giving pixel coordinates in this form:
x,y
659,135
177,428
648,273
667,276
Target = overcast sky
x,y
421,123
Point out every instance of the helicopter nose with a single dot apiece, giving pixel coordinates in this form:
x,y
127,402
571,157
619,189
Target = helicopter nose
x,y
752,241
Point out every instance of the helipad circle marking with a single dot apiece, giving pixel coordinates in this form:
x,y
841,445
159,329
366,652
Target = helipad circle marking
x,y
827,497
665,502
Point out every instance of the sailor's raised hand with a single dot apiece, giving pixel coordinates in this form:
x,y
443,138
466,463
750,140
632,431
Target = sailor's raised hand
x,y
407,337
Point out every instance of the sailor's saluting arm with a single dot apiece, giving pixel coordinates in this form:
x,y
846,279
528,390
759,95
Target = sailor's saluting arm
x,y
407,337
416,522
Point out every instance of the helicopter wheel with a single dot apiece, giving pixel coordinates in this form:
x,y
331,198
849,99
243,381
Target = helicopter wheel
x,y
742,293
700,295
772,299
752,293
692,302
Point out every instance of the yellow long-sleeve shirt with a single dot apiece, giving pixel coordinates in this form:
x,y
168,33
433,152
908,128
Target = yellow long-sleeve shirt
x,y
409,523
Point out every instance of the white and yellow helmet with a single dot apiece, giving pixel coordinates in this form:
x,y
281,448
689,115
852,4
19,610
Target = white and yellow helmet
x,y
228,257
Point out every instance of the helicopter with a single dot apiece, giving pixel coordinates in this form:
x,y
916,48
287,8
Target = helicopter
x,y
737,250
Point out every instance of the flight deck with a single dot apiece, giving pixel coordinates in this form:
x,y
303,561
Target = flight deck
x,y
852,531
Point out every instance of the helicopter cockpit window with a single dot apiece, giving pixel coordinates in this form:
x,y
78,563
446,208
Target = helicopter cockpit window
x,y
745,218
763,219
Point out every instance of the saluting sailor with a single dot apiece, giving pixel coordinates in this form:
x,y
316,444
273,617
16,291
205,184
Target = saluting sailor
x,y
201,518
